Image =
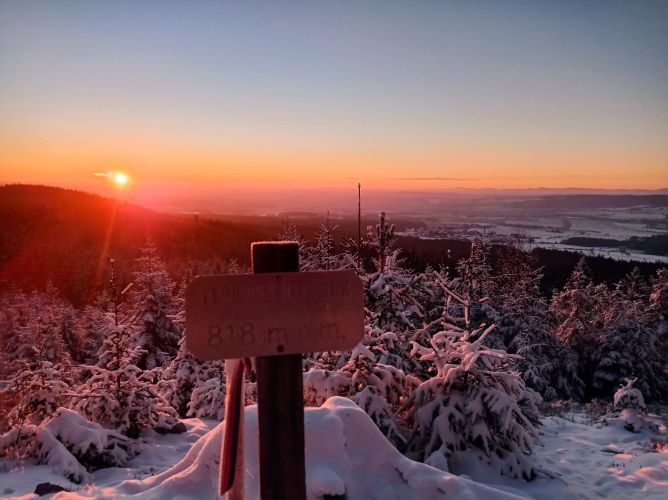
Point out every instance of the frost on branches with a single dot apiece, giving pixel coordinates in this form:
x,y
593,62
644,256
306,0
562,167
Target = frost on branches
x,y
474,404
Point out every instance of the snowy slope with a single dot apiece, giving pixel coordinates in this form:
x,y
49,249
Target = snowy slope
x,y
345,452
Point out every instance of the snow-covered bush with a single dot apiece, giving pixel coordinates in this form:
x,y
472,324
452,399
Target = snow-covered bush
x,y
475,403
119,395
378,389
208,396
38,390
123,400
394,297
629,404
69,444
194,388
629,397
179,379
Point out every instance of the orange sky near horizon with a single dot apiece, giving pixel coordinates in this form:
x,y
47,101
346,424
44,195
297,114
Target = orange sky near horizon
x,y
427,97
73,163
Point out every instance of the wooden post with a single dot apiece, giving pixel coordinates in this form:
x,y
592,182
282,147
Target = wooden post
x,y
280,389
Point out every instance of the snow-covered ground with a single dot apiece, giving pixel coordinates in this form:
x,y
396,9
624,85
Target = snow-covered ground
x,y
345,453
549,232
590,460
611,253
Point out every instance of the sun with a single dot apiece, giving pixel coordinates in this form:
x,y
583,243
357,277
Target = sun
x,y
120,179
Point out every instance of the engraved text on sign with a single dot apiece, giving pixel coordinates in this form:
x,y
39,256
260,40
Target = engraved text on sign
x,y
234,316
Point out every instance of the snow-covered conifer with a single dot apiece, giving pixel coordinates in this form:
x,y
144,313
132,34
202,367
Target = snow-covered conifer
x,y
289,232
523,320
379,389
577,332
629,403
474,404
323,255
475,283
394,297
154,305
37,388
381,238
118,395
208,396
628,345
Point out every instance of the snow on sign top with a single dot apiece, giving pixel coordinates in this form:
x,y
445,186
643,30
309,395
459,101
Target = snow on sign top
x,y
249,315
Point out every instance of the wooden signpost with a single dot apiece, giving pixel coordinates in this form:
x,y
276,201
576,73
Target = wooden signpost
x,y
275,315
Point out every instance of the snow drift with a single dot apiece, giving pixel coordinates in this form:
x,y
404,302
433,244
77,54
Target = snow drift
x,y
346,454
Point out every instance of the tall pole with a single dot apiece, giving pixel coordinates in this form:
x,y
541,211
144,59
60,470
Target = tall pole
x,y
359,227
280,389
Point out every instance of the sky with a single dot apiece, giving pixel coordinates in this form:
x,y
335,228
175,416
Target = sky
x,y
395,94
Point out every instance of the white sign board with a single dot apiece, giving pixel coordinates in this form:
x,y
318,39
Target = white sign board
x,y
250,315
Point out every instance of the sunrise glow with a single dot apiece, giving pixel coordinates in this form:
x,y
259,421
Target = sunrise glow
x,y
468,98
120,179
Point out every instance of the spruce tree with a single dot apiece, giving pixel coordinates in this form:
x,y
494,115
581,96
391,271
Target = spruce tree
x,y
578,324
156,335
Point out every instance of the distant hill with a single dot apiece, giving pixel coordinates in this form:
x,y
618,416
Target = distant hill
x,y
67,236
592,201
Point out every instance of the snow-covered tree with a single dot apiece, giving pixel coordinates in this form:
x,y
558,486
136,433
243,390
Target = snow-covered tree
x,y
629,403
208,396
37,388
289,232
118,394
659,293
523,321
381,239
154,306
323,255
394,297
628,345
36,329
377,388
659,311
179,379
577,331
91,325
474,282
475,404
194,388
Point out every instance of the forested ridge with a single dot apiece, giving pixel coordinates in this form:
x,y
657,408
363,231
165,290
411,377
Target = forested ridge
x,y
63,237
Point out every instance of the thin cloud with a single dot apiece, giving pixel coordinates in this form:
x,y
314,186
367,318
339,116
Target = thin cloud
x,y
428,179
